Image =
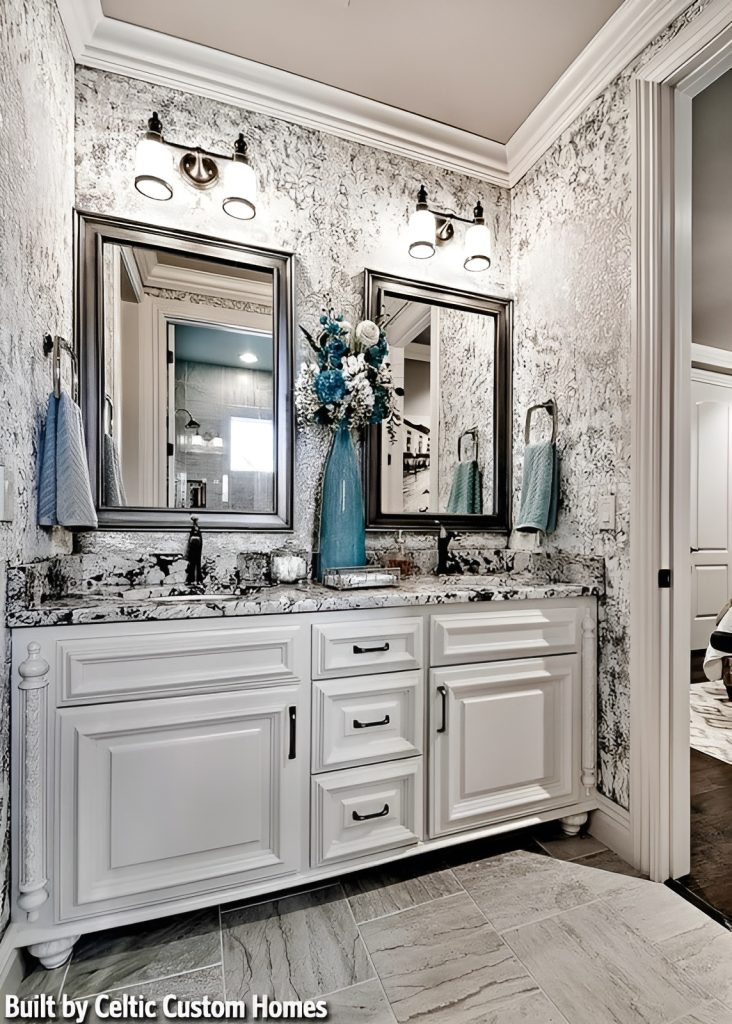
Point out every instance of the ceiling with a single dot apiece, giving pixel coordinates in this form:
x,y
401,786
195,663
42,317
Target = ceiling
x,y
478,65
219,346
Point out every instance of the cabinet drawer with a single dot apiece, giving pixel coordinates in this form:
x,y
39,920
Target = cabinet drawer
x,y
366,719
512,631
366,646
363,810
134,664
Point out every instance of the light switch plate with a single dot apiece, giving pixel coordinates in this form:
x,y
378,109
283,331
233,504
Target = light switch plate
x,y
606,512
6,495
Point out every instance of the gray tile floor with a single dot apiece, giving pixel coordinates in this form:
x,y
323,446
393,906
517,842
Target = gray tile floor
x,y
528,930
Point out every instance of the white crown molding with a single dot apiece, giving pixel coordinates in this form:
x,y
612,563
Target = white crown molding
x,y
630,29
102,42
178,64
162,275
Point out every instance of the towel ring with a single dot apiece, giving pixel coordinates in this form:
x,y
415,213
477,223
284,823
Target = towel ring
x,y
470,432
551,408
57,344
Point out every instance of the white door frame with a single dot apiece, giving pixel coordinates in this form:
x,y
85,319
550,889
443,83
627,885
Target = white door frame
x,y
661,375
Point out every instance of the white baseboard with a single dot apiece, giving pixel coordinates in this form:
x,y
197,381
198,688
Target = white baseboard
x,y
610,823
11,964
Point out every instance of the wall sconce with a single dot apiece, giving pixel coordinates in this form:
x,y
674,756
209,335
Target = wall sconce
x,y
156,163
429,228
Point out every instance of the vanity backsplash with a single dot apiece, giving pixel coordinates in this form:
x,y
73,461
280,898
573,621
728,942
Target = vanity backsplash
x,y
51,579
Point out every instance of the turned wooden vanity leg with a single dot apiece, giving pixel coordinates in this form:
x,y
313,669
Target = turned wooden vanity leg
x,y
55,953
589,702
32,811
572,824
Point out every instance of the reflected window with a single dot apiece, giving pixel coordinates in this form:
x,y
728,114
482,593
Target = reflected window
x,y
252,445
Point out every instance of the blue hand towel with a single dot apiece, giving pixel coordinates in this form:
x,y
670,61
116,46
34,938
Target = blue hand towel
x,y
466,493
64,492
539,489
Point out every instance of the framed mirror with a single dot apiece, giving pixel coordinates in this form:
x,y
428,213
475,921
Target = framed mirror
x,y
185,347
450,351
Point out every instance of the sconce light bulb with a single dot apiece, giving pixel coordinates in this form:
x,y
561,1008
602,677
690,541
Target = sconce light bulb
x,y
153,165
421,234
249,358
477,248
240,183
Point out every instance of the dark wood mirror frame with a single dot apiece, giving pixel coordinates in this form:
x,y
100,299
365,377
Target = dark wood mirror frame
x,y
91,232
376,285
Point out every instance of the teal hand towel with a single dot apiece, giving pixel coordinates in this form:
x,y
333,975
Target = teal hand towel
x,y
466,492
64,491
539,489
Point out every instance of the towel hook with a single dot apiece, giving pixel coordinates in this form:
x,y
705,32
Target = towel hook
x,y
56,344
551,408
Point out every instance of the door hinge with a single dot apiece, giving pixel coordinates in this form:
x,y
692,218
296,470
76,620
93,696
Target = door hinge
x,y
664,578
171,449
171,357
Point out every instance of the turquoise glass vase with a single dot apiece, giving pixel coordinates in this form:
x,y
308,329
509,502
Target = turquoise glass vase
x,y
342,529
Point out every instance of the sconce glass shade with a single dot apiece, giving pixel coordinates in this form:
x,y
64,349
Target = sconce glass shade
x,y
477,248
153,168
421,235
240,183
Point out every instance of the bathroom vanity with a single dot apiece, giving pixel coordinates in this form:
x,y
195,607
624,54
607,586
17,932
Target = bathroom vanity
x,y
173,753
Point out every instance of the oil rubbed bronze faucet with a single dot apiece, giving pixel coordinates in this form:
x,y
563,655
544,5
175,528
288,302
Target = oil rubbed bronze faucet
x,y
447,564
194,550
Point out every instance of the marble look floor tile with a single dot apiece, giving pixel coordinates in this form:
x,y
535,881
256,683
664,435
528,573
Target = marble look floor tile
x,y
684,935
194,985
441,962
144,952
594,967
517,888
712,1012
360,1004
398,886
567,847
39,981
297,947
607,860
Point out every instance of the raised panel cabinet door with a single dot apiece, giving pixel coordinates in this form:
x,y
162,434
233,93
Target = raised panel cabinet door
x,y
171,797
506,740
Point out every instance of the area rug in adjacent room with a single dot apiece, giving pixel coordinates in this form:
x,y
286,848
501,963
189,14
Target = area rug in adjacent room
x,y
711,720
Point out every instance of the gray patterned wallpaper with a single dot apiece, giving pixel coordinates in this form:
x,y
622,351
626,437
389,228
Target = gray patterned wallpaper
x,y
36,200
571,255
338,205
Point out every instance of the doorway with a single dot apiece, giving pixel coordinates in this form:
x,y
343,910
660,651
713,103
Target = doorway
x,y
661,599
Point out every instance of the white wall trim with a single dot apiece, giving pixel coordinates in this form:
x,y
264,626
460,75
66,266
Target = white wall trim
x,y
102,42
610,823
11,963
708,356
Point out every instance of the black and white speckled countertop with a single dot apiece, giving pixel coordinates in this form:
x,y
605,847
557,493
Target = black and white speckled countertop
x,y
145,604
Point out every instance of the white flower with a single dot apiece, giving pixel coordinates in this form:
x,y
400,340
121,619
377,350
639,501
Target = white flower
x,y
367,333
345,326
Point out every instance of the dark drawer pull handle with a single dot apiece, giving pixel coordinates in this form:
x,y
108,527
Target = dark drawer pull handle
x,y
369,725
365,817
370,650
292,713
443,697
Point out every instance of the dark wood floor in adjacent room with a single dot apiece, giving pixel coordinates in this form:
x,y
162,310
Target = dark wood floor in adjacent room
x,y
711,832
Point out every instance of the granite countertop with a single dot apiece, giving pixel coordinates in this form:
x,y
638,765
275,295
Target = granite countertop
x,y
146,604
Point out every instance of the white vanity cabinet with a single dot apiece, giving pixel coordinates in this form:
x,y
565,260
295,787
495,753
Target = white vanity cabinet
x,y
161,766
